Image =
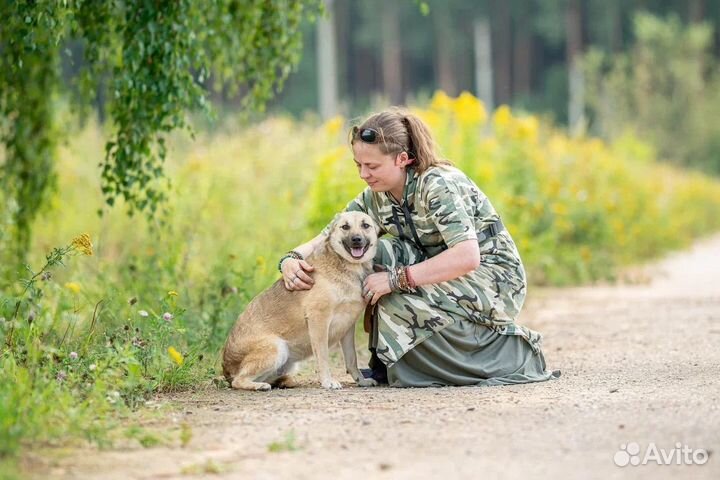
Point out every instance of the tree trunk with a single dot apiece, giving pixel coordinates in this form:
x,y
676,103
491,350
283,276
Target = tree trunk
x,y
696,10
522,56
391,54
502,50
344,49
327,64
444,54
483,62
618,38
573,23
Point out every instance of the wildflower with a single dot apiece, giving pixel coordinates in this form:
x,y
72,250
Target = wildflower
x,y
334,125
143,313
92,367
61,376
167,316
73,355
502,117
83,244
469,109
74,287
175,356
172,293
440,101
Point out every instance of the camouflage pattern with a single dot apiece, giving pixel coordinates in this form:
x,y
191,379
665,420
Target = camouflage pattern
x,y
446,208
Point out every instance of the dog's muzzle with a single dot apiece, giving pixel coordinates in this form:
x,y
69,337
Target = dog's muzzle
x,y
357,247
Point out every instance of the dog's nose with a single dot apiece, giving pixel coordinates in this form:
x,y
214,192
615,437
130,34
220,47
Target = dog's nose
x,y
356,240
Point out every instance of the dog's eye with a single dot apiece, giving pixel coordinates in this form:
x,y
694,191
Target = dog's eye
x,y
365,226
345,227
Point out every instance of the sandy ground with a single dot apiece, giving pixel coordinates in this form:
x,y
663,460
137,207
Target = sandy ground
x,y
640,364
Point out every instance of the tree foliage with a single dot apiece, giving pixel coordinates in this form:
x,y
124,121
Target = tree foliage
x,y
666,88
154,58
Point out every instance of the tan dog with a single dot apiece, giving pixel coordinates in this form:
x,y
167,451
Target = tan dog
x,y
279,327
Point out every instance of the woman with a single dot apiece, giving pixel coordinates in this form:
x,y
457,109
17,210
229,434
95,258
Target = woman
x,y
445,309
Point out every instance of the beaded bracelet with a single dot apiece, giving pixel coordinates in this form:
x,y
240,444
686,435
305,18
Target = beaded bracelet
x,y
290,254
399,281
411,281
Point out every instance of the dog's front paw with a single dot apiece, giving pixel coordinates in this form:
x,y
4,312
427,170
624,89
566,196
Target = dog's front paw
x,y
367,382
331,384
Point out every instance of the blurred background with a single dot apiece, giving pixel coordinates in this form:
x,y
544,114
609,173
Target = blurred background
x,y
597,66
548,57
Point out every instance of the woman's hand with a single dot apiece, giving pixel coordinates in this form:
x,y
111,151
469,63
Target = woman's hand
x,y
295,274
375,286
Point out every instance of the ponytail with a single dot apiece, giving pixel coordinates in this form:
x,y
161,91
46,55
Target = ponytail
x,y
421,144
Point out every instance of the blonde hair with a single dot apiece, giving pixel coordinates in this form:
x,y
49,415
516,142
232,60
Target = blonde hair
x,y
401,131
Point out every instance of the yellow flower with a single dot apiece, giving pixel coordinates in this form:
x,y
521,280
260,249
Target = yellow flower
x,y
469,109
176,356
502,117
441,101
559,209
528,129
74,287
334,125
83,244
172,293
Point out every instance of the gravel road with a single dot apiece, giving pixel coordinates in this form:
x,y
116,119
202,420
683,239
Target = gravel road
x,y
640,364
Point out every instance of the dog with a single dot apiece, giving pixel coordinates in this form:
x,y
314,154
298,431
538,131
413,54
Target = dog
x,y
279,327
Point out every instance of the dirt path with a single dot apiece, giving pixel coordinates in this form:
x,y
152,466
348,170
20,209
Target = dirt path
x,y
639,363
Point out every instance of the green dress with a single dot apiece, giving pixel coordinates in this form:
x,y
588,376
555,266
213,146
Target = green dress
x,y
459,332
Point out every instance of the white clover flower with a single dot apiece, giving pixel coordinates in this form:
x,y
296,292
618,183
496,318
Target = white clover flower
x,y
73,355
92,367
143,313
167,316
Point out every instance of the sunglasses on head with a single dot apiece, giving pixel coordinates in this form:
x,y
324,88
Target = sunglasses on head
x,y
370,135
367,135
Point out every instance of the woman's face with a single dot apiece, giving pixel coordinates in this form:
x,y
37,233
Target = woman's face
x,y
382,173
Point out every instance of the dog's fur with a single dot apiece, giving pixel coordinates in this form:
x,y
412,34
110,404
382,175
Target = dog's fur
x,y
280,327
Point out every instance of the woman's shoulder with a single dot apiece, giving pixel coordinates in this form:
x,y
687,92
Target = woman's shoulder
x,y
443,176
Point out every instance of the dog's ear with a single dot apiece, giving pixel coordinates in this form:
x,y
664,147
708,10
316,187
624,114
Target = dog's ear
x,y
329,229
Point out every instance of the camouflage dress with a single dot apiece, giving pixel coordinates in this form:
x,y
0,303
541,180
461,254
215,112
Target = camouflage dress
x,y
439,209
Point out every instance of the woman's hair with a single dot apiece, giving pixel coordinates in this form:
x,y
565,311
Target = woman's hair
x,y
401,131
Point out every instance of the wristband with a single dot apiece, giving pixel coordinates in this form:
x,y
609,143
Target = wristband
x,y
290,254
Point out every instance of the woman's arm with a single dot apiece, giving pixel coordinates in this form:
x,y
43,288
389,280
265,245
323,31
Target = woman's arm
x,y
296,273
461,258
307,248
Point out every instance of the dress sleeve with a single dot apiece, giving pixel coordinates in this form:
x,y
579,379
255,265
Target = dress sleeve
x,y
447,210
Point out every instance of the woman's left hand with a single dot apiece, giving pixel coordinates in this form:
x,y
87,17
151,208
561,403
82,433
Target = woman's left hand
x,y
375,286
